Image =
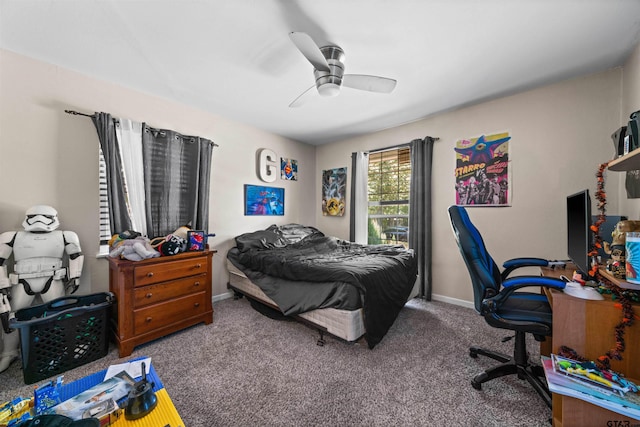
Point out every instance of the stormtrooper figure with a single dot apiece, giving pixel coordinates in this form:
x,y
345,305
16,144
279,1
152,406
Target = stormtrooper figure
x,y
38,253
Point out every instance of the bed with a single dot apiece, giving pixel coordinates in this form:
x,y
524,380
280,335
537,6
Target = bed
x,y
339,287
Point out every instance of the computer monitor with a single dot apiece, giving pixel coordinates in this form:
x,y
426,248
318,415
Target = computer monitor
x,y
579,230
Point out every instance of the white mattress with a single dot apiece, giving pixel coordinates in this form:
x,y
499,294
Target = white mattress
x,y
345,324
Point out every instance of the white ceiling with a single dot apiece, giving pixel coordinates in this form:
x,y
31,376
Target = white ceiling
x,y
234,57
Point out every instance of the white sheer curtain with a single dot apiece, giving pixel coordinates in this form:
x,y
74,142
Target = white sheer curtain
x,y
129,136
359,197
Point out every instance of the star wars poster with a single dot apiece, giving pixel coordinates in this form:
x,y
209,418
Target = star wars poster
x,y
334,185
482,171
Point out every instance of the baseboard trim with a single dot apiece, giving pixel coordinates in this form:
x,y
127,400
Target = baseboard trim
x,y
222,297
454,301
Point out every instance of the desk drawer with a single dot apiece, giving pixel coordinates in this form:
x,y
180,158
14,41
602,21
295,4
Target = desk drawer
x,y
161,272
159,315
153,294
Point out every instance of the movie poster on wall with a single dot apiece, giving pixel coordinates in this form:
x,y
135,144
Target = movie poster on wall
x,y
334,186
482,171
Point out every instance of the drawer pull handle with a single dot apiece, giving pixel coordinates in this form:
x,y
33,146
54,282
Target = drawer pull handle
x,y
198,265
149,295
148,319
196,284
150,274
196,304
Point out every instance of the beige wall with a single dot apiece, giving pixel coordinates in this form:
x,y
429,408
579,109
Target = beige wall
x,y
560,134
50,157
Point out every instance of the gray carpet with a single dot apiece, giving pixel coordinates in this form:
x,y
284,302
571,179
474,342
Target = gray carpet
x,y
248,370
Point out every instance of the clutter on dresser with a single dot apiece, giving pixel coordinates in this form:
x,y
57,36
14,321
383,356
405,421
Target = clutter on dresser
x,y
131,245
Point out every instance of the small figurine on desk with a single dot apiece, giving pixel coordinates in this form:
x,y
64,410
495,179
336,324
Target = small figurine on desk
x,y
616,265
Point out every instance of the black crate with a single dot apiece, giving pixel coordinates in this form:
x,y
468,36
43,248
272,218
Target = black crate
x,y
63,334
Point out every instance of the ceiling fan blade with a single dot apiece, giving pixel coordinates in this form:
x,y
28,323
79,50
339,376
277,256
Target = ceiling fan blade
x,y
369,83
310,50
303,97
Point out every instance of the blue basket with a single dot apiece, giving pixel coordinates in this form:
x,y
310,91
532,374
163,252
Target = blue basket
x,y
63,334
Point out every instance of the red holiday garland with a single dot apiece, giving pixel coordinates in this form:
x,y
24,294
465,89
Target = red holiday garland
x,y
628,315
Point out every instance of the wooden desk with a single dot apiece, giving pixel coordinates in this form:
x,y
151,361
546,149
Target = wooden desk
x,y
587,326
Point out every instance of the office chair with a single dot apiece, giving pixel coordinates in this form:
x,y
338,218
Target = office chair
x,y
496,299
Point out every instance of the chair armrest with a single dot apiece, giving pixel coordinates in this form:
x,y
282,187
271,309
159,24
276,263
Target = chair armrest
x,y
518,282
513,284
515,263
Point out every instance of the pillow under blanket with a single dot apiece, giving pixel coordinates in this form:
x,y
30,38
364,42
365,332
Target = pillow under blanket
x,y
261,239
275,236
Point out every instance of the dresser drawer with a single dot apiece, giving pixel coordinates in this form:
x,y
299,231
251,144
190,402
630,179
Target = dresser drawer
x,y
154,273
153,294
159,315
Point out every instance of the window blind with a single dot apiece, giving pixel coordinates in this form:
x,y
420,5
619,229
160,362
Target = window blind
x,y
105,226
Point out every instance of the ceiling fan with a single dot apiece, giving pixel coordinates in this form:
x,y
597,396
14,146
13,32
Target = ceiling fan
x,y
328,64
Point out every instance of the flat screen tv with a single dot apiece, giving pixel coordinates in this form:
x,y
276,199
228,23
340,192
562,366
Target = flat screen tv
x,y
578,230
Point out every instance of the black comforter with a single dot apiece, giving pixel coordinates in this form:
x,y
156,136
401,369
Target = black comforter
x,y
382,275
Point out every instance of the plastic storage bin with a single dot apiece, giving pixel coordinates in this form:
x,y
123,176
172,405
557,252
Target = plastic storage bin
x,y
63,334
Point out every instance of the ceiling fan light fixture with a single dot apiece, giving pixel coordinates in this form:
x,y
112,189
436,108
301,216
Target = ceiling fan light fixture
x,y
329,89
328,70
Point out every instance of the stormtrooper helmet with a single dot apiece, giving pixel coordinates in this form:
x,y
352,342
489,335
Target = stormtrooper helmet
x,y
41,218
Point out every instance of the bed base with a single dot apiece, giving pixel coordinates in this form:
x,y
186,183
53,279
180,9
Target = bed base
x,y
345,325
238,294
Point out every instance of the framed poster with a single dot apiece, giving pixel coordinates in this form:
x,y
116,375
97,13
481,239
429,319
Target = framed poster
x,y
482,171
196,240
288,169
334,186
260,200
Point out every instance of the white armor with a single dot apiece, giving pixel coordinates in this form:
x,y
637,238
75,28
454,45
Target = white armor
x,y
38,254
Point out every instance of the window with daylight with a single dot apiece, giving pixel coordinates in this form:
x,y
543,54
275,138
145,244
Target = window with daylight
x,y
105,226
389,180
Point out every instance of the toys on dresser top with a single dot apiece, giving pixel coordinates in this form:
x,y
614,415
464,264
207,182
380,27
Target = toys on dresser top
x,y
173,243
133,246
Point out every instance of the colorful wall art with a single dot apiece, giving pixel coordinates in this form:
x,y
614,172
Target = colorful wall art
x,y
259,200
482,171
288,169
334,186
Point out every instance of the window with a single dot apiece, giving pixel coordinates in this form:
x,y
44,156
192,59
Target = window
x,y
105,226
389,180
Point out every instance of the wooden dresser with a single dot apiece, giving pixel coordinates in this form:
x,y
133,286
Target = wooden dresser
x,y
159,296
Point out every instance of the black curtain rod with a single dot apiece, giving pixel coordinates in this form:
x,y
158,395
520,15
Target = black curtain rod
x,y
396,147
75,113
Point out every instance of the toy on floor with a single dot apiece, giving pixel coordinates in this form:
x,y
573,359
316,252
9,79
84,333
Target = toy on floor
x,y
38,254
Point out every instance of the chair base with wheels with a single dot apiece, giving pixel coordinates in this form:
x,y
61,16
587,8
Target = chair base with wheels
x,y
518,364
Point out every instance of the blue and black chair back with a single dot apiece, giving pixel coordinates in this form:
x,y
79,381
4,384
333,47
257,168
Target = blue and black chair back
x,y
485,275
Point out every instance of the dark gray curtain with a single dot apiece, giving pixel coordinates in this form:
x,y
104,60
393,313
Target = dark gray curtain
x,y
352,199
177,169
118,213
420,211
